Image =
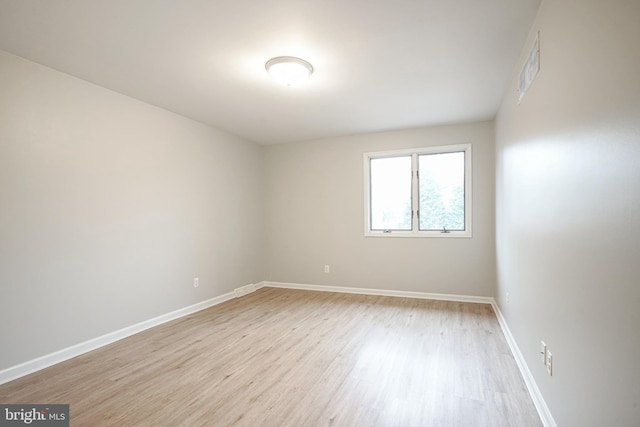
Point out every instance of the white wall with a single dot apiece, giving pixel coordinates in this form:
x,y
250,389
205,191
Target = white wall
x,y
568,211
108,209
314,215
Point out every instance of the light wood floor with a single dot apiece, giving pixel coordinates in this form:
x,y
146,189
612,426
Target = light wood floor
x,y
281,357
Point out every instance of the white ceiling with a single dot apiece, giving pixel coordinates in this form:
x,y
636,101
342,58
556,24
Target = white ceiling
x,y
379,64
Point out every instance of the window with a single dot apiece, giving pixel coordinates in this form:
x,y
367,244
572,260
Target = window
x,y
418,193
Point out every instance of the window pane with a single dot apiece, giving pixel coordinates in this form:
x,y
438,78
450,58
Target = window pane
x,y
441,191
391,193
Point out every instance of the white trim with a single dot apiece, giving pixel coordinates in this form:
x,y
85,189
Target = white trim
x,y
382,292
453,234
47,360
534,391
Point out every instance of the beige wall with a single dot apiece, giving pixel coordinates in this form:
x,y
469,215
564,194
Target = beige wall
x,y
109,208
314,215
568,211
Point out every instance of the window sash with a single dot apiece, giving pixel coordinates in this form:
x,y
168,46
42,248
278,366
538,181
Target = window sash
x,y
445,188
397,215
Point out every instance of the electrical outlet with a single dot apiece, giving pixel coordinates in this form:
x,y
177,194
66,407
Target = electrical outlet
x,y
549,363
327,269
196,282
507,297
543,352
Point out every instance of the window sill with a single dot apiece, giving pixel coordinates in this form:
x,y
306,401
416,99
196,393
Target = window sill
x,y
423,234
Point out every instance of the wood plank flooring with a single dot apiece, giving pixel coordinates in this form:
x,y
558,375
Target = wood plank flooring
x,y
281,357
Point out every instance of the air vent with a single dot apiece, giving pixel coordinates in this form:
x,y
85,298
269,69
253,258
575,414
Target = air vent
x,y
530,68
244,290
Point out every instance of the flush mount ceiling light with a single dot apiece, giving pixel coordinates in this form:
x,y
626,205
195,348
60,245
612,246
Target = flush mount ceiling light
x,y
288,70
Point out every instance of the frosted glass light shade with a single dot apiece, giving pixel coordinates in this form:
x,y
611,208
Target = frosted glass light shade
x,y
288,70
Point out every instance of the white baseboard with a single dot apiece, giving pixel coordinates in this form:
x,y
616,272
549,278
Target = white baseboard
x,y
534,391
45,361
383,292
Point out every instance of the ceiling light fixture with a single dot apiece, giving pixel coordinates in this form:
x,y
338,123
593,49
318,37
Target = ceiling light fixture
x,y
288,70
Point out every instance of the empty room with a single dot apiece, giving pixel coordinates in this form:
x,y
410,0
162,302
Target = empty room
x,y
320,213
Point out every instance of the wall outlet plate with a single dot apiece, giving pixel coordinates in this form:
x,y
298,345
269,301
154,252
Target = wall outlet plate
x,y
543,352
549,363
196,282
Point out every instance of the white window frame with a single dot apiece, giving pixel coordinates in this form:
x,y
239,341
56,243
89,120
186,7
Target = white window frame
x,y
415,231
